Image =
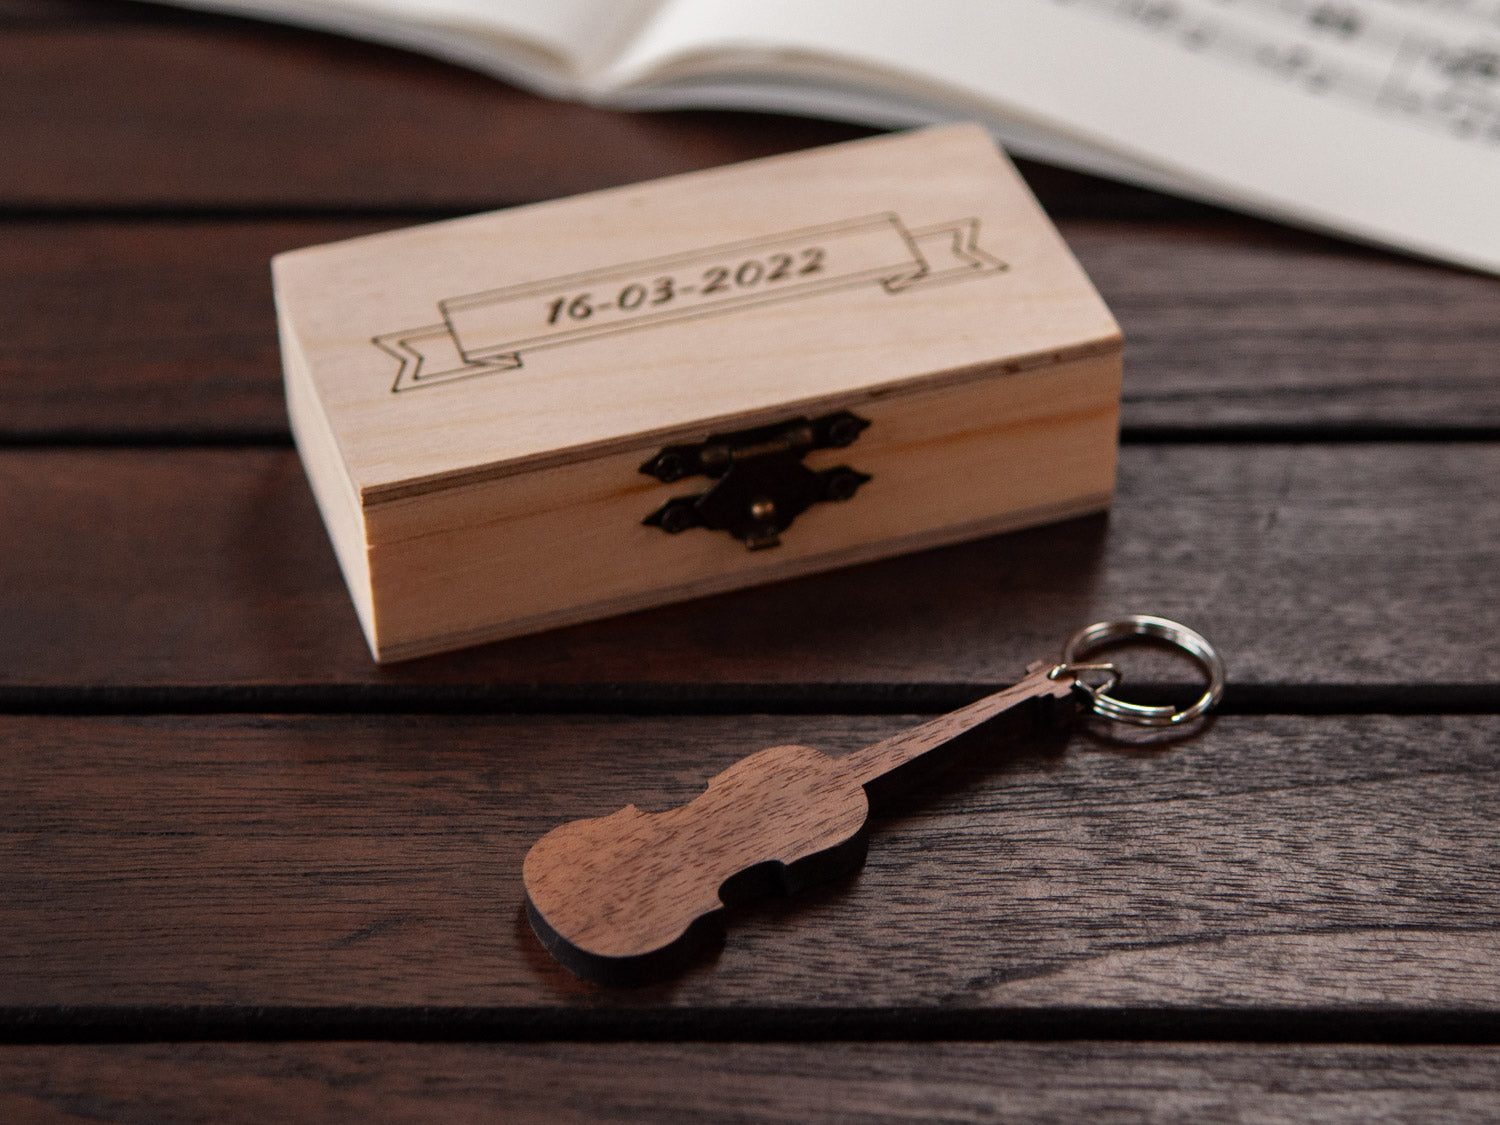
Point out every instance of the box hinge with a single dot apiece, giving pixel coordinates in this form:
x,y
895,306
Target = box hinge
x,y
760,483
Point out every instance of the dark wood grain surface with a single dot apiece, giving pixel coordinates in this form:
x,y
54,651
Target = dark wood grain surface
x,y
683,1083
1363,569
1338,863
247,875
1229,326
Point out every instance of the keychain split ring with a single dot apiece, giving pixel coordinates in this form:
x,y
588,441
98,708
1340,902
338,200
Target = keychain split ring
x,y
1092,637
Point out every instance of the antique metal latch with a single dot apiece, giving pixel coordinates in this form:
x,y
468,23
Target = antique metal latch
x,y
760,483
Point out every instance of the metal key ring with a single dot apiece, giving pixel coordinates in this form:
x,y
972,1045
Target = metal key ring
x,y
1091,637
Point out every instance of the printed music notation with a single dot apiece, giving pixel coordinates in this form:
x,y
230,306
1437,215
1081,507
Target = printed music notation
x,y
1434,63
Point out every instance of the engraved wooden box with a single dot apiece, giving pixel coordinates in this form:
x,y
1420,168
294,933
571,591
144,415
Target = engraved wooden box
x,y
538,416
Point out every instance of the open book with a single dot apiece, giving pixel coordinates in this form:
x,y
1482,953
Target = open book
x,y
1376,119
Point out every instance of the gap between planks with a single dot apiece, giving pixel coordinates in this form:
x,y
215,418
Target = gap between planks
x,y
1320,433
1333,867
1306,565
689,699
605,1024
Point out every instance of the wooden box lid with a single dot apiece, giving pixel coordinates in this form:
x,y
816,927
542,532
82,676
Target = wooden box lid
x,y
428,367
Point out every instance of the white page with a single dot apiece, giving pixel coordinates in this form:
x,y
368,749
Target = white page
x,y
1378,118
886,102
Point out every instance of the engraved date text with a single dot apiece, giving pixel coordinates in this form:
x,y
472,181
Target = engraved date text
x,y
710,283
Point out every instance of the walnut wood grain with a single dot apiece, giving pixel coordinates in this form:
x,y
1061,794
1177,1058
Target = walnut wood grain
x,y
1313,877
1225,324
427,134
34,13
1197,1084
1279,864
439,114
1240,325
285,118
182,311
42,13
635,894
1342,566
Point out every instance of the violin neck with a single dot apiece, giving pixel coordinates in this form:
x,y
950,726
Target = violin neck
x,y
876,761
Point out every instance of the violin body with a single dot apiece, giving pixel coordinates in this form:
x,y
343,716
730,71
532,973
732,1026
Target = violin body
x,y
629,895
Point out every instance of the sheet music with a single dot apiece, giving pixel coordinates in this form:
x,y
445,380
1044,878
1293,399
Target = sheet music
x,y
1378,119
1433,63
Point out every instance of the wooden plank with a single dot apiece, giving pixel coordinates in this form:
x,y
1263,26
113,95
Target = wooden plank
x,y
14,13
427,134
143,329
147,329
1289,864
1199,1084
270,124
281,117
1261,326
1352,566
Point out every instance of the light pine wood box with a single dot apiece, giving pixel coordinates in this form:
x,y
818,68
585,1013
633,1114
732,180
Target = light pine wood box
x,y
474,400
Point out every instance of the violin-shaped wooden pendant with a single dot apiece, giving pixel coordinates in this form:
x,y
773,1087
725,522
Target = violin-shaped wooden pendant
x,y
633,895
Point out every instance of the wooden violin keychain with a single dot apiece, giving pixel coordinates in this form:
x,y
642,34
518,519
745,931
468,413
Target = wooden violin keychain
x,y
633,895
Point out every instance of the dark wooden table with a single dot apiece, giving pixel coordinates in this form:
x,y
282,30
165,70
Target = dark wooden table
x,y
246,874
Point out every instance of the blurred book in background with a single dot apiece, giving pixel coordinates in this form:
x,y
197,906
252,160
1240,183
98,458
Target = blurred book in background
x,y
1375,119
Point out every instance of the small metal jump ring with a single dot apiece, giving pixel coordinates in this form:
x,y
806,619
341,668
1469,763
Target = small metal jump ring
x,y
1110,672
1091,637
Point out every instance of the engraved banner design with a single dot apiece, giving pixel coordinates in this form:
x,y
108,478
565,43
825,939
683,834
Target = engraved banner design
x,y
482,333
